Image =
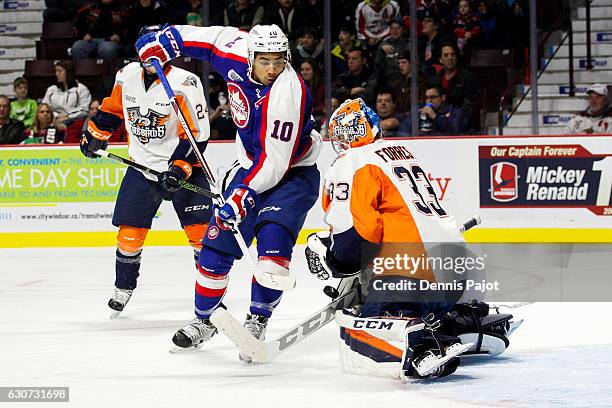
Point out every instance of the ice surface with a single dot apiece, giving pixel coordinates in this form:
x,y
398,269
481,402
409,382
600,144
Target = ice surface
x,y
55,331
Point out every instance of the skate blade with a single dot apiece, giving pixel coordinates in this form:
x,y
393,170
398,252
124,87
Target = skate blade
x,y
425,369
174,349
514,326
115,314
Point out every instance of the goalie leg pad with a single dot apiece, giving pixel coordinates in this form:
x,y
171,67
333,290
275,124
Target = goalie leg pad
x,y
130,241
473,323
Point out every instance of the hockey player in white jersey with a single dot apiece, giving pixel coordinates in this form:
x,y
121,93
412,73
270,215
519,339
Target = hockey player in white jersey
x,y
377,198
157,141
276,182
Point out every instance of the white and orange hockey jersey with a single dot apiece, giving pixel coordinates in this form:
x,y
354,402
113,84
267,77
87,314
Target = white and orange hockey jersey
x,y
380,193
153,128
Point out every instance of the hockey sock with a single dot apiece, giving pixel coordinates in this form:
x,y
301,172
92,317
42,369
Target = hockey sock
x,y
211,280
130,241
274,244
127,265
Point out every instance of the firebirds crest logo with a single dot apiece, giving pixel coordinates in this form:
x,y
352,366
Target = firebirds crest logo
x,y
146,127
239,103
504,181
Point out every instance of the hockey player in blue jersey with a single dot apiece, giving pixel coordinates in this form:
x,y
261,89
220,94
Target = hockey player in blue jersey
x,y
276,182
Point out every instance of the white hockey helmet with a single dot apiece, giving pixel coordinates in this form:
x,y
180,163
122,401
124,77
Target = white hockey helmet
x,y
267,38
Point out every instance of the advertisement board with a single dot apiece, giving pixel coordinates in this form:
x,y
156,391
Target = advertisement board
x,y
524,188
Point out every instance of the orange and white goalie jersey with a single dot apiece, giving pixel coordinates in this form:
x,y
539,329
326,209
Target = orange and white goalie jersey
x,y
153,127
381,193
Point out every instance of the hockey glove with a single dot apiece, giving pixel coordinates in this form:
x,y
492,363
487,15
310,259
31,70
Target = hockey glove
x,y
170,180
236,208
316,255
90,143
163,45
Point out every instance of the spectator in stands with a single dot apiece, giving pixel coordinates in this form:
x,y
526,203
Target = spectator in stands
x,y
314,10
243,14
142,13
430,44
222,126
69,99
597,118
385,108
372,19
308,47
46,128
58,11
100,28
385,62
466,27
23,108
347,42
513,23
76,128
488,23
440,9
284,14
437,117
311,73
401,85
357,82
11,130
460,85
185,12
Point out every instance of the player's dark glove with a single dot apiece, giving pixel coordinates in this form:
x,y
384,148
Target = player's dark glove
x,y
170,180
90,143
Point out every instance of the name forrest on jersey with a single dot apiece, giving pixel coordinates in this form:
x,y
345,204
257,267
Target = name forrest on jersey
x,y
146,127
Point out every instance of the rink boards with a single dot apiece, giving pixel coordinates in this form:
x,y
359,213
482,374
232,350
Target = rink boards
x,y
526,189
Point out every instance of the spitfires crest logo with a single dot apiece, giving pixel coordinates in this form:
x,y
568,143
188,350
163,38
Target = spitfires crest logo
x,y
239,103
146,127
504,181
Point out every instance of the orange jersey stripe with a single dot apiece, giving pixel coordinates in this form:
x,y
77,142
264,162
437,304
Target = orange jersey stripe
x,y
185,109
113,104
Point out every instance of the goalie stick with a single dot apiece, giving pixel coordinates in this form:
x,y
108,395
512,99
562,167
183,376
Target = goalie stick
x,y
182,183
265,279
346,296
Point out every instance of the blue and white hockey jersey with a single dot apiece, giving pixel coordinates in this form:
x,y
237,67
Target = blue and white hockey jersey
x,y
275,124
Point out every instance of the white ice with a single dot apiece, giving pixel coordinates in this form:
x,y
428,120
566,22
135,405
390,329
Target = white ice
x,y
55,331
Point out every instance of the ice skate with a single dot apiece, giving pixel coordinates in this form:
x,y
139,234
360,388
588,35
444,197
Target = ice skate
x,y
193,335
432,365
256,325
118,301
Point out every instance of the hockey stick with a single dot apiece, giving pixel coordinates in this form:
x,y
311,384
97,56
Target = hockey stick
x,y
265,279
266,351
182,183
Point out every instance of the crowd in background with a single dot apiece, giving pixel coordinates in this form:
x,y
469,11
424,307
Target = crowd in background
x,y
370,54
